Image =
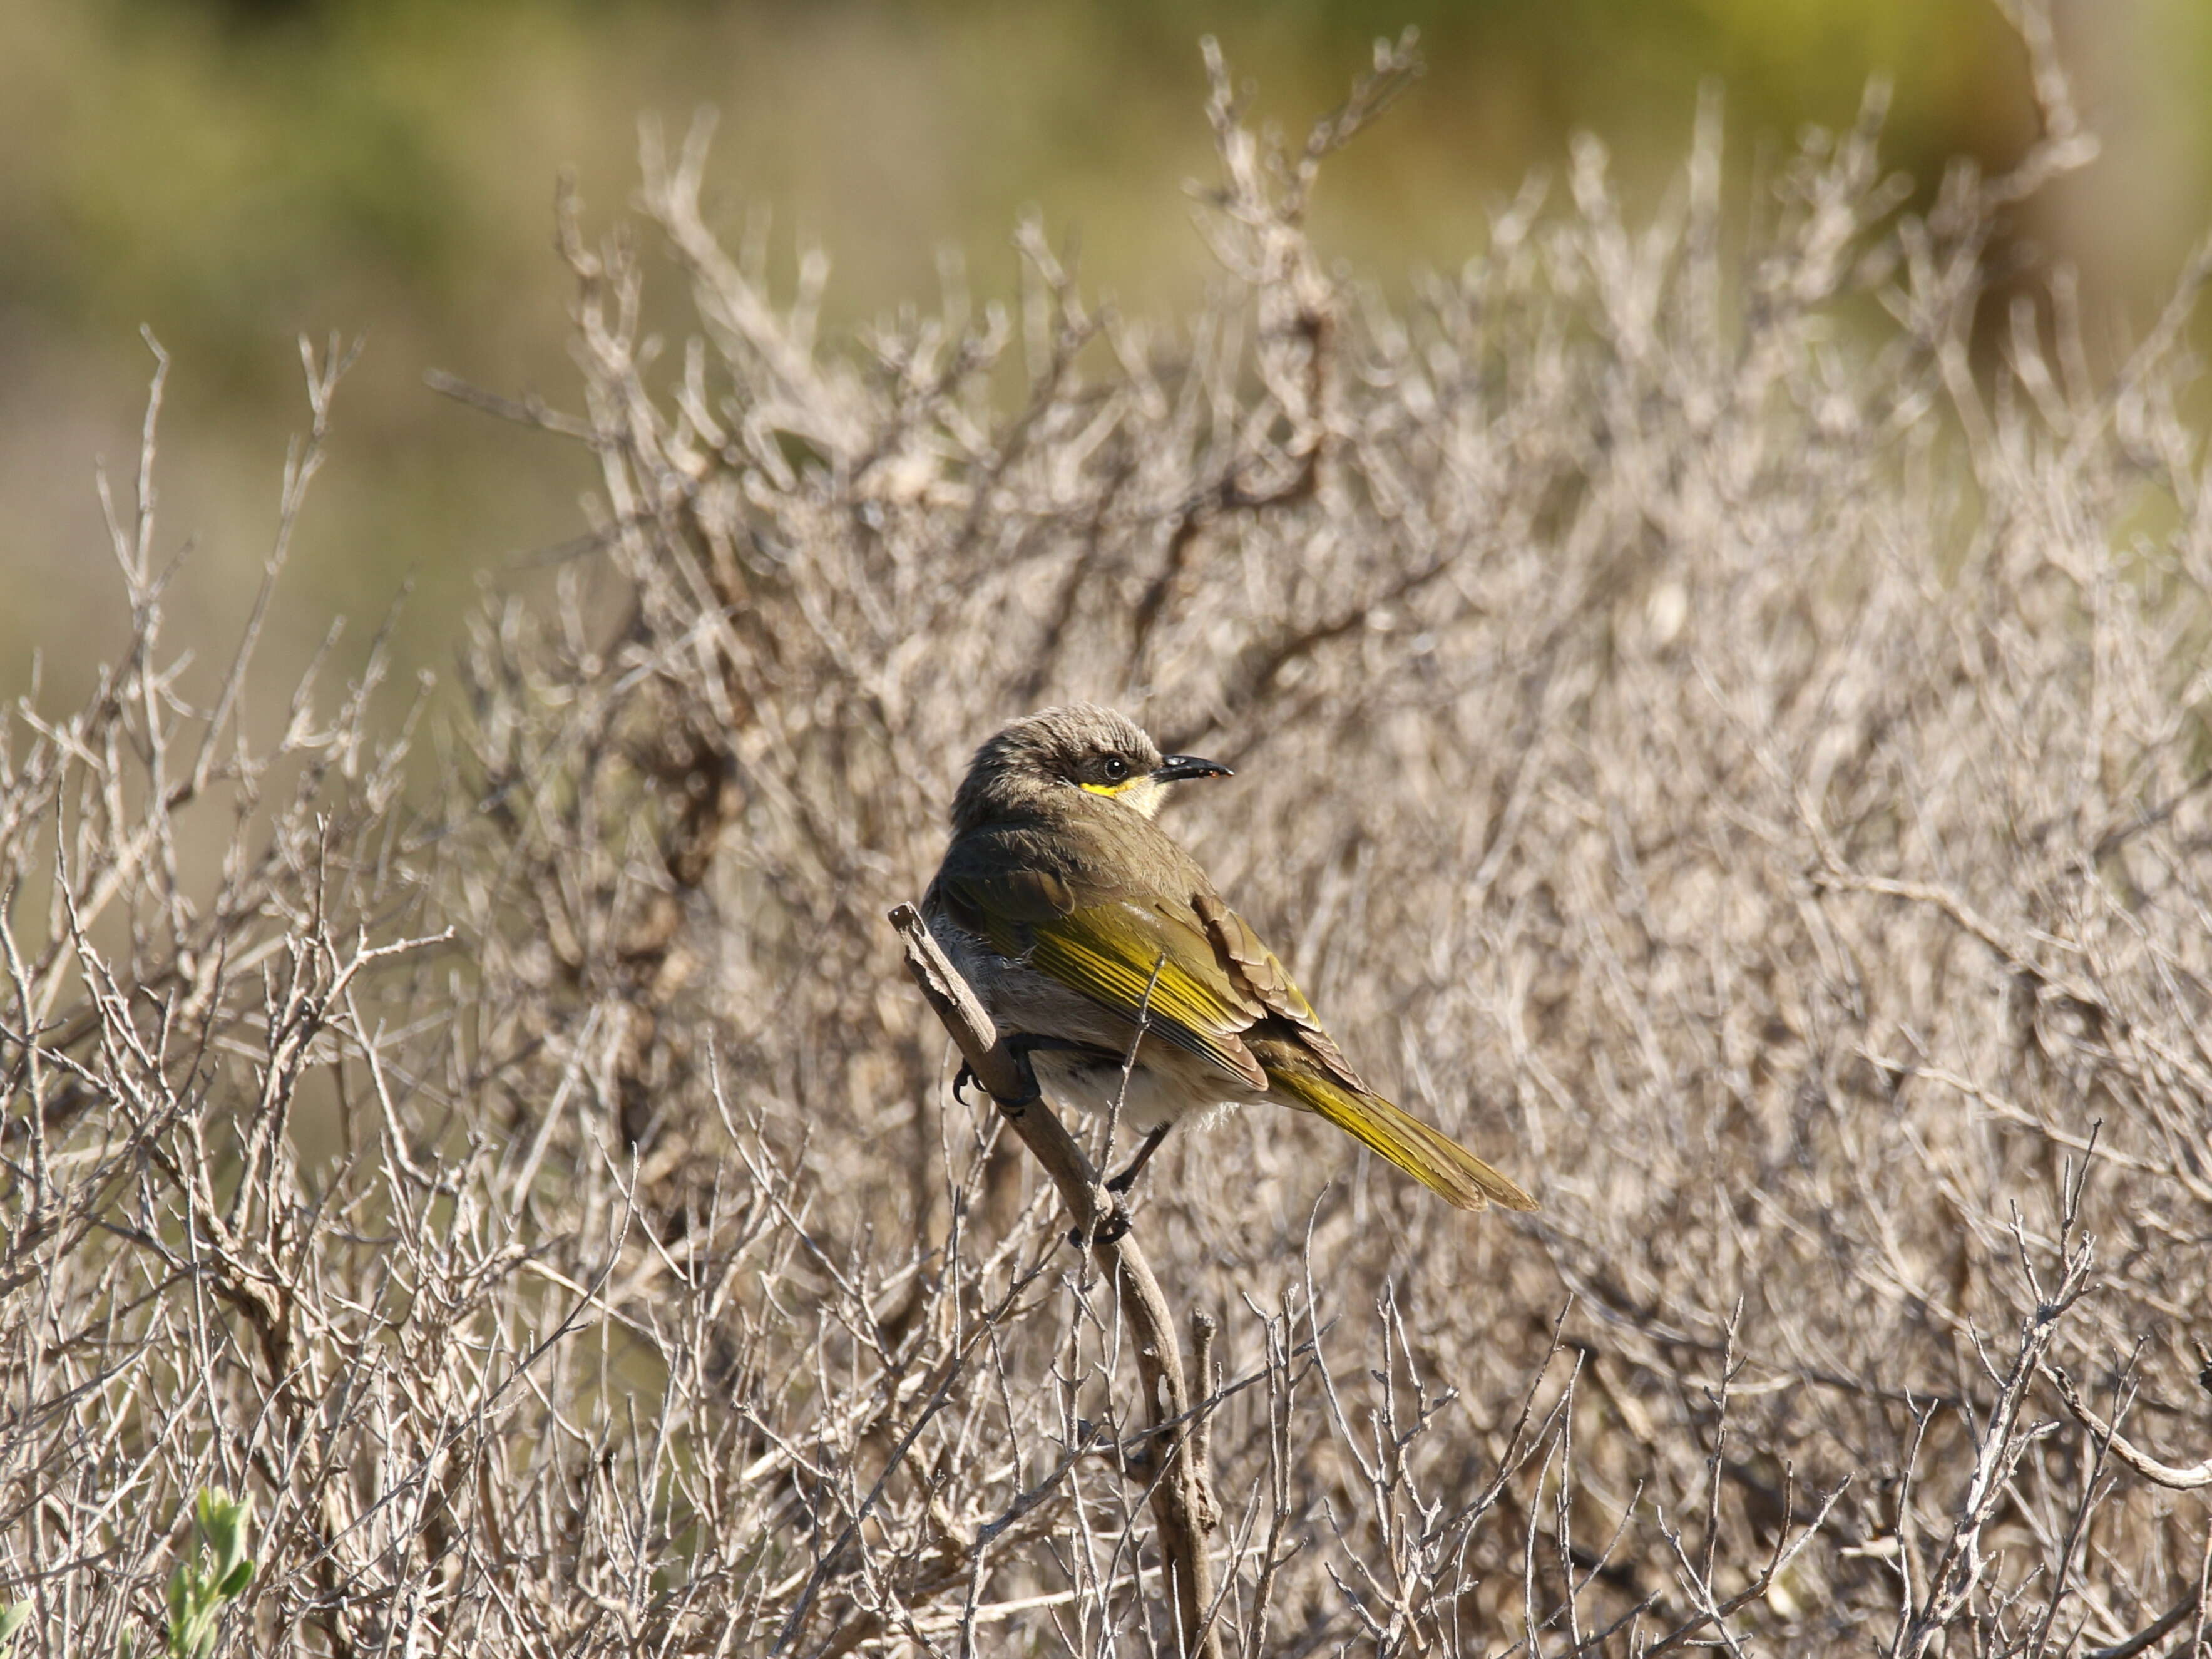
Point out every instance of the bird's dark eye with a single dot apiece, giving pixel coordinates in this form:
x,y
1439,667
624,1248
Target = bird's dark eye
x,y
1116,768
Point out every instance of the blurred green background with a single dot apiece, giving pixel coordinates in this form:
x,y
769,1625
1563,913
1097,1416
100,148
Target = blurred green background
x,y
230,173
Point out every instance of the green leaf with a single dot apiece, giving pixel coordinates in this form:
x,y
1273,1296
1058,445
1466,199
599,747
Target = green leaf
x,y
224,1521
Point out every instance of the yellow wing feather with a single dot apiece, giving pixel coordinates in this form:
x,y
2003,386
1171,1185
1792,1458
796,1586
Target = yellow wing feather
x,y
1438,1162
1118,956
1207,984
1108,951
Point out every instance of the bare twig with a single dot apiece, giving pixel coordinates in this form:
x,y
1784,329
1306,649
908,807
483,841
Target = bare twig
x,y
1182,1497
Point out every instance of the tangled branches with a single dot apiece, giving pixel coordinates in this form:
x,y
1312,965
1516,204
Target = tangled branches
x,y
1695,722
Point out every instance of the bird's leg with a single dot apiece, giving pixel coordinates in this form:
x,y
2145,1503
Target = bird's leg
x,y
1127,1178
1020,1046
1017,1050
1118,1224
1026,1043
1113,1229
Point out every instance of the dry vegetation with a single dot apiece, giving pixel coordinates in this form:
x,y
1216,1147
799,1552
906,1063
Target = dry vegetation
x,y
1705,737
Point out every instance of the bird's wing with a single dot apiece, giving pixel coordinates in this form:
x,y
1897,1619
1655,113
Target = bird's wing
x,y
1304,1063
1125,953
1261,976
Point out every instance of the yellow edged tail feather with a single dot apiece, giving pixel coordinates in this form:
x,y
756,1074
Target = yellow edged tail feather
x,y
1437,1161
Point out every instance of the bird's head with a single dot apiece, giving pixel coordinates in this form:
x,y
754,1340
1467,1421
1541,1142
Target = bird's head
x,y
1081,747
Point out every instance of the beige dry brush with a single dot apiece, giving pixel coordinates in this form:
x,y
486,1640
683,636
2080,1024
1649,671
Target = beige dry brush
x,y
1706,735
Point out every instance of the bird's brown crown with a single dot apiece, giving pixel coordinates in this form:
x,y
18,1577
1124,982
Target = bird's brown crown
x,y
1081,746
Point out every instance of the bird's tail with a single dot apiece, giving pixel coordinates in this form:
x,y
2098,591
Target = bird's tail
x,y
1437,1161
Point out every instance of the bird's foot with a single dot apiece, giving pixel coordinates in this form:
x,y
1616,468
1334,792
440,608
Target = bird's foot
x,y
965,1077
963,1080
1110,1228
1116,1224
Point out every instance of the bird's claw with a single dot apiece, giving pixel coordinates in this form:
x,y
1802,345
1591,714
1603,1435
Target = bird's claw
x,y
1110,1228
965,1077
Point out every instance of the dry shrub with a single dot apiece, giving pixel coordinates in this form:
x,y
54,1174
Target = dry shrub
x,y
1702,738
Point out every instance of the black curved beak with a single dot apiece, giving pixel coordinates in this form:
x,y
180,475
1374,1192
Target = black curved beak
x,y
1178,768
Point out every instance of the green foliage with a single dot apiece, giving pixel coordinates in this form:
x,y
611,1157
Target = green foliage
x,y
199,1590
231,172
11,1620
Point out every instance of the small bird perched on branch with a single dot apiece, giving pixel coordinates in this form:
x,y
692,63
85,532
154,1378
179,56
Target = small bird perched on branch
x,y
1077,919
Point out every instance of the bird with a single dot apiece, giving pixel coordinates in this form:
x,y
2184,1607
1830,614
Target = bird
x,y
1119,973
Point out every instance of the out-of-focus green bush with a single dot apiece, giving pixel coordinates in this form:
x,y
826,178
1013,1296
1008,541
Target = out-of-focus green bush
x,y
231,173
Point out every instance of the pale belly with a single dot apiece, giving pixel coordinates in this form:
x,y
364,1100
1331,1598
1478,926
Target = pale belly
x,y
1149,1097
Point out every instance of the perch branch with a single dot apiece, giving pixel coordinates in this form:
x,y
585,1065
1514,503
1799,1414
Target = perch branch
x,y
2175,1478
1182,1497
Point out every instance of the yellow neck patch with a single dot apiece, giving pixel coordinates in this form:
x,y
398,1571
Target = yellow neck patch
x,y
1142,793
